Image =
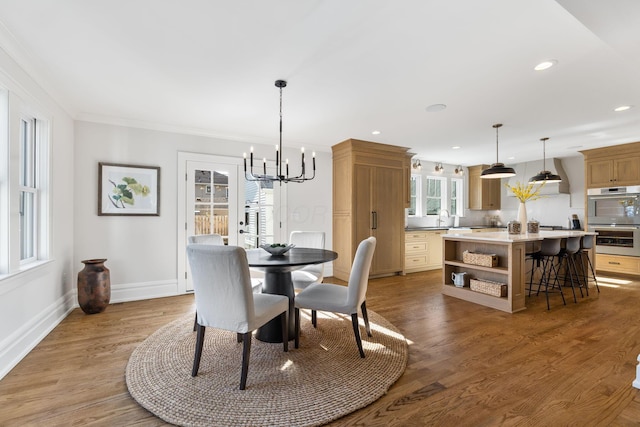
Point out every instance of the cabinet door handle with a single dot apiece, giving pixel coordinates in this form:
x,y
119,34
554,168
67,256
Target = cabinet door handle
x,y
374,219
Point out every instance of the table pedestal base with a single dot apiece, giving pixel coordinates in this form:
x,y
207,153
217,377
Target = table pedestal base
x,y
278,283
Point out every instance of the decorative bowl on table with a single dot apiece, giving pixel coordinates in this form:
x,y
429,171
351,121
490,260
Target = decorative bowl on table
x,y
276,249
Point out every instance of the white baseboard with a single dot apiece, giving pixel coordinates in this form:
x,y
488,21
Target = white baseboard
x,y
17,345
143,290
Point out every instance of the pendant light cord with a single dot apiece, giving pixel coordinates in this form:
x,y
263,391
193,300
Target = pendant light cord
x,y
279,165
497,126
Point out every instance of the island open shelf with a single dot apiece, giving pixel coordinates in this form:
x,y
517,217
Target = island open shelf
x,y
511,269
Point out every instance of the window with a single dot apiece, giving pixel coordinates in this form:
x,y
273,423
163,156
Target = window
x,y
436,190
24,195
28,190
430,194
416,187
456,206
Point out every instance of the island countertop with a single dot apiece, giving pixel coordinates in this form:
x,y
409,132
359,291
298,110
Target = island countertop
x,y
503,236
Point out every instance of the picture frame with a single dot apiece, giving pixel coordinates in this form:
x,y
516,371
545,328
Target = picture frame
x,y
132,190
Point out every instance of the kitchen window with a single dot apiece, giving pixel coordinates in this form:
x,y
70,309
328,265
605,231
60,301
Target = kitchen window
x,y
436,190
431,194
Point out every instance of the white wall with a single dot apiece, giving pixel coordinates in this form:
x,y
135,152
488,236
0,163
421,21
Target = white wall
x,y
552,209
34,302
141,252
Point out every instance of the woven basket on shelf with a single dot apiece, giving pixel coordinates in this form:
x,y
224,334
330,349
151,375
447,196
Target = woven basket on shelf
x,y
488,287
475,258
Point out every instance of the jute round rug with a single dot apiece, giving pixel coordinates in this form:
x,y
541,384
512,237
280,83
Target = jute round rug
x,y
321,381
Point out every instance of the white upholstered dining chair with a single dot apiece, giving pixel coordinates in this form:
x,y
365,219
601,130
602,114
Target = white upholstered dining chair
x,y
217,239
309,274
338,298
224,299
206,239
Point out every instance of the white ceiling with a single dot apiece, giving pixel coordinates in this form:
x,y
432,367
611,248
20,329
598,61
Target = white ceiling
x,y
208,67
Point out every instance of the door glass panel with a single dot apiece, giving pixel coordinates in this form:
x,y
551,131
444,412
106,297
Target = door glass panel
x,y
211,207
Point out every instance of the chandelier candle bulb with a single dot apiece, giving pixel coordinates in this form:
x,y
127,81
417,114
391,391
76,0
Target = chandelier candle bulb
x,y
287,168
313,157
277,159
264,165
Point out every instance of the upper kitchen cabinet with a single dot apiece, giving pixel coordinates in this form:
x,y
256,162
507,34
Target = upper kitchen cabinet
x,y
370,192
612,166
484,194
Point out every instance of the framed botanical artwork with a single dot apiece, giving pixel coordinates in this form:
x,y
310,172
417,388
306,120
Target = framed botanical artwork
x,y
128,189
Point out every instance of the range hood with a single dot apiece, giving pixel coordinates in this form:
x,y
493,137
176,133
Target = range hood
x,y
524,171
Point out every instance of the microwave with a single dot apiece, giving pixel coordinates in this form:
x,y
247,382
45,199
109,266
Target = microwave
x,y
615,205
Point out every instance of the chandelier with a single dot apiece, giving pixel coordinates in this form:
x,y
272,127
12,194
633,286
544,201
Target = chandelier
x,y
279,176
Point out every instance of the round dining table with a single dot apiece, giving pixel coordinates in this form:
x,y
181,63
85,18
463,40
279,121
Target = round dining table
x,y
277,280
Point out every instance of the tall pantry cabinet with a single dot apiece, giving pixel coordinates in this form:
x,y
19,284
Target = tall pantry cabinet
x,y
370,192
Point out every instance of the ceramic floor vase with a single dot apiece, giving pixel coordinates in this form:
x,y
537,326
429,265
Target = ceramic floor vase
x,y
94,286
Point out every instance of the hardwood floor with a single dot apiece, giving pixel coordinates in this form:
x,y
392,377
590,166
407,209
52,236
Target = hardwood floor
x,y
468,365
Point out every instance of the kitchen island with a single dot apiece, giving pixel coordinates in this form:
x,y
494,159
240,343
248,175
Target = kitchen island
x,y
510,270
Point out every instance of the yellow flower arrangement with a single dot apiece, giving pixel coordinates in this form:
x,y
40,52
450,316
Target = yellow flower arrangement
x,y
525,192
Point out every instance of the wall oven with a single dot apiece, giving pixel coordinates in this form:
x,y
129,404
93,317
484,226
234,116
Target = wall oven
x,y
614,213
617,205
617,240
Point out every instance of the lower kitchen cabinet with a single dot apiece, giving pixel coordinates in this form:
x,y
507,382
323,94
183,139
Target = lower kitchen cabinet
x,y
618,264
423,250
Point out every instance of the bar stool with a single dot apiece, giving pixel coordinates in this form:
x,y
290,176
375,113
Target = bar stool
x,y
544,261
567,257
586,266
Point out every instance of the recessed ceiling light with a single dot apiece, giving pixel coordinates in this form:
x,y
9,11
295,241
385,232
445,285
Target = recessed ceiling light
x,y
455,147
375,132
623,108
545,64
511,158
435,108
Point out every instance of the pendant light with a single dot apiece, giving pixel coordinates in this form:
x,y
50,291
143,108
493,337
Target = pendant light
x,y
497,170
544,176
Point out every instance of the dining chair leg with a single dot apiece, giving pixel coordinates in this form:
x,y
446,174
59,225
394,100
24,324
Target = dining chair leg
x,y
297,328
198,353
246,352
314,318
239,337
363,307
284,317
356,331
195,322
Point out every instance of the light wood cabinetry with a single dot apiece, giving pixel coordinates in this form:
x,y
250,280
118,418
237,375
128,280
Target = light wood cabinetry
x,y
510,270
415,251
423,250
618,264
434,249
370,192
612,166
484,194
